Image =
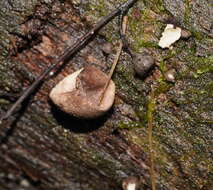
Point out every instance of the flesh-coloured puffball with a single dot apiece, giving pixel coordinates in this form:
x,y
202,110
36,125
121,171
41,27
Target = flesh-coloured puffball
x,y
170,35
79,93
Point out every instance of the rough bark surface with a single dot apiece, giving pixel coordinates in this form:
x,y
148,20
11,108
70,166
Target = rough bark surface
x,y
43,148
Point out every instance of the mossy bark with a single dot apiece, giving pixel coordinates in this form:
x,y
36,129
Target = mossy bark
x,y
44,148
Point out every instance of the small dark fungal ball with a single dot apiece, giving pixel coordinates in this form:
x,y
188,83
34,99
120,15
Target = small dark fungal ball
x,y
143,64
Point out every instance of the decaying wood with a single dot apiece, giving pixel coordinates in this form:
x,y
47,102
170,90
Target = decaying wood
x,y
47,161
44,148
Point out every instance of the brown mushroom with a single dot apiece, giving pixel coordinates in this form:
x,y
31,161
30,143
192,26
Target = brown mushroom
x,y
79,93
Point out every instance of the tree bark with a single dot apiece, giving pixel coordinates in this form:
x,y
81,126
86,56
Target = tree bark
x,y
45,148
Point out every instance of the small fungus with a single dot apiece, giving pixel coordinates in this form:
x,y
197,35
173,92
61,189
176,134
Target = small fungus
x,y
79,93
131,183
170,75
185,34
169,36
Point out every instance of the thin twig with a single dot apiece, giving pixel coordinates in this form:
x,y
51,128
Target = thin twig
x,y
126,47
68,53
117,56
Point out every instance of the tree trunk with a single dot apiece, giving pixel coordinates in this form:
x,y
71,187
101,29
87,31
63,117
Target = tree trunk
x,y
154,123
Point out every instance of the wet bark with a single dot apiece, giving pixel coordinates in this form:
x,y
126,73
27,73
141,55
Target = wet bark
x,y
45,148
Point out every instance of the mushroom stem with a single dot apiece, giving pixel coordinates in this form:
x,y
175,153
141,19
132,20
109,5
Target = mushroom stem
x,y
117,56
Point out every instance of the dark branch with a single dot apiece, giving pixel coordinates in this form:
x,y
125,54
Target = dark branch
x,y
68,53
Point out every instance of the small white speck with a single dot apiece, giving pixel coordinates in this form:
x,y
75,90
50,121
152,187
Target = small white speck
x,y
25,183
51,73
131,186
171,76
47,1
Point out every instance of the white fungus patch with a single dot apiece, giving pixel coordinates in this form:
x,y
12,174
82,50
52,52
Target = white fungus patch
x,y
169,36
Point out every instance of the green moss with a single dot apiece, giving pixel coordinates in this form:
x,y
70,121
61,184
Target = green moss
x,y
201,65
163,87
162,66
151,107
143,43
127,84
156,5
187,12
197,35
129,125
98,9
202,71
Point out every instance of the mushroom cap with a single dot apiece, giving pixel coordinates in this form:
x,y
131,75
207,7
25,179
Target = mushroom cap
x,y
79,93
